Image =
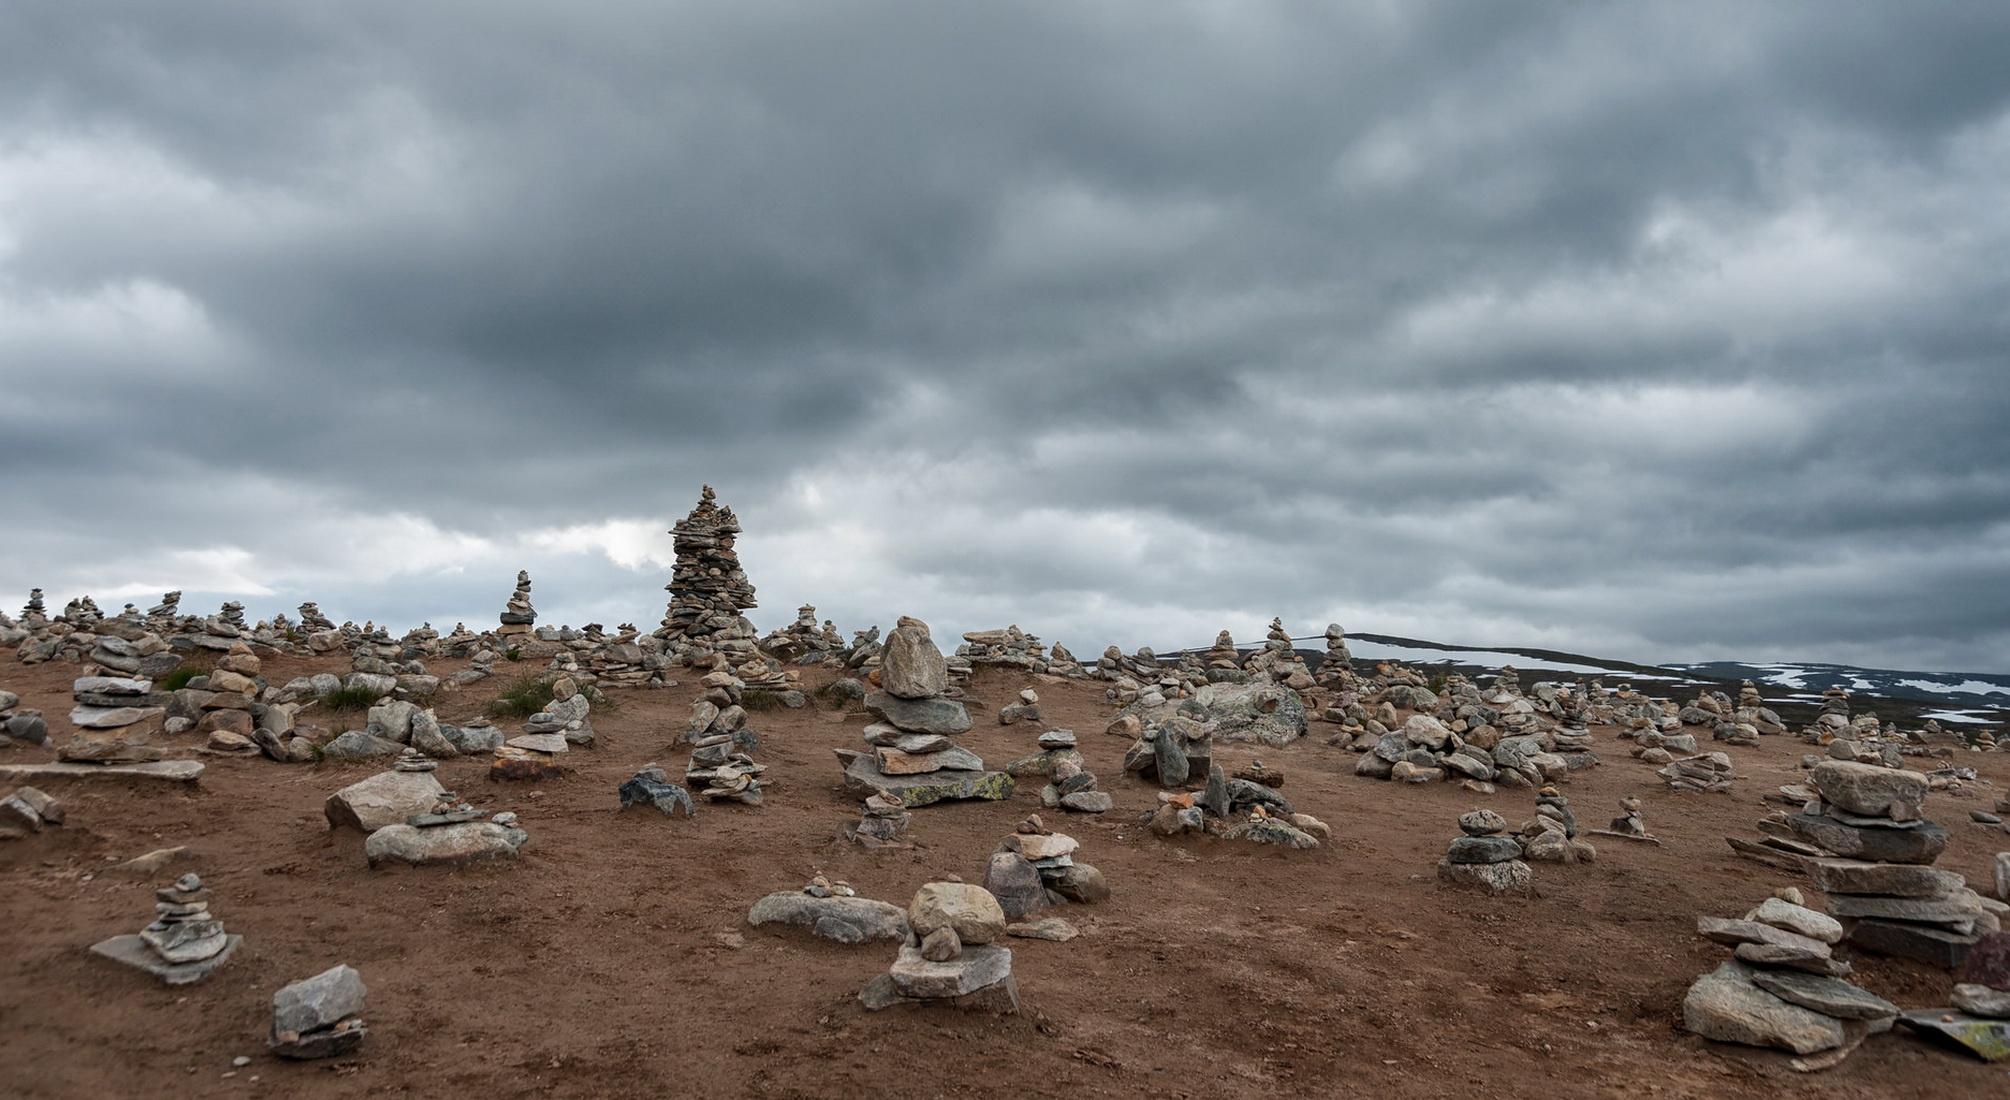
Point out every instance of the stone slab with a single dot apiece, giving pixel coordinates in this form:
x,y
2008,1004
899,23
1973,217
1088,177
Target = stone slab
x,y
1934,946
133,951
977,967
174,771
864,778
1986,1039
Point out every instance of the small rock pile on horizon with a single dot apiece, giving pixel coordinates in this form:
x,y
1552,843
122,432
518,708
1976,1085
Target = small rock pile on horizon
x,y
1484,858
518,616
912,754
709,592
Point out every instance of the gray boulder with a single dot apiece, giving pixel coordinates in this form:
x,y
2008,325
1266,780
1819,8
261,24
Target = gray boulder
x,y
864,918
1728,1006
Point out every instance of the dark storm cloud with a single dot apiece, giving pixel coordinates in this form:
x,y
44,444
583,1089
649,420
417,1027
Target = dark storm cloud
x,y
1664,328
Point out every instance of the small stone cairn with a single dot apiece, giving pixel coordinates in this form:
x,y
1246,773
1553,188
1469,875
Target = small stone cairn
x,y
882,821
1551,835
1484,858
1710,771
183,944
1070,783
1024,708
912,752
722,768
951,955
318,1017
1035,867
21,723
112,702
651,786
26,810
1007,648
518,617
708,589
1785,988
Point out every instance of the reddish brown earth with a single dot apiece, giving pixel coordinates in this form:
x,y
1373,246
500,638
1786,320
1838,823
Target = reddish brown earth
x,y
613,959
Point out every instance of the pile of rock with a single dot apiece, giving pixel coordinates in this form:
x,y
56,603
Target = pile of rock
x,y
1979,1019
1223,661
183,944
721,766
318,1017
1784,989
1710,771
446,834
518,616
1171,753
1910,910
21,723
651,786
1008,648
1485,858
913,756
1035,867
1024,708
25,810
708,590
951,955
1070,784
803,642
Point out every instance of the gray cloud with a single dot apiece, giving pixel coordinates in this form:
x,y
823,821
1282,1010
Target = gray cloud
x,y
1672,331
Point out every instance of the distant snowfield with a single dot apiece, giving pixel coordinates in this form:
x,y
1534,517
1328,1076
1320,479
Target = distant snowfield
x,y
1786,676
1959,716
1486,658
1970,687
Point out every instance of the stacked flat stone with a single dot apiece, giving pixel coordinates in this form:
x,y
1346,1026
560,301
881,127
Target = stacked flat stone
x,y
882,821
34,612
1172,753
1223,661
1070,783
912,754
113,702
1060,662
651,786
803,642
1484,858
446,834
1710,771
1026,707
1425,750
26,810
518,616
183,944
1036,867
708,590
1551,835
311,618
951,955
21,723
1784,989
1652,746
1337,659
233,688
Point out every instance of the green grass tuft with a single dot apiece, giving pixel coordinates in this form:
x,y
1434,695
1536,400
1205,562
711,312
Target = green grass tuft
x,y
349,698
178,679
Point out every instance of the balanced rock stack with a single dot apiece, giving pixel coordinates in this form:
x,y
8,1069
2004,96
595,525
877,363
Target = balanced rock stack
x,y
318,1017
112,702
233,688
1784,989
446,834
183,944
1035,867
312,621
651,785
708,590
1070,783
721,767
1484,858
881,822
832,911
1710,771
912,755
25,810
551,732
951,955
1551,836
1026,707
1223,661
1010,648
518,616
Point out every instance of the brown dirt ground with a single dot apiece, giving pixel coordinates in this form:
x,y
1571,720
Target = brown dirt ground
x,y
614,958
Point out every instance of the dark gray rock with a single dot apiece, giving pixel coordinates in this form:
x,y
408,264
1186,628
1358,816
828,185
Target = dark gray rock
x,y
870,919
1913,845
1483,849
943,716
1828,996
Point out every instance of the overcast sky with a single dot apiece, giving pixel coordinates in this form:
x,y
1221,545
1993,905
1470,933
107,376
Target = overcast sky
x,y
1666,331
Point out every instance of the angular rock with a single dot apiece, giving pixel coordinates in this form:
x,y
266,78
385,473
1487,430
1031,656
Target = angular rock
x,y
970,910
910,665
1081,883
978,966
1903,880
1016,884
1494,878
1920,845
941,716
1727,1006
133,951
1799,919
357,745
386,798
863,778
1826,995
1930,945
1976,1000
1483,849
1866,788
323,1000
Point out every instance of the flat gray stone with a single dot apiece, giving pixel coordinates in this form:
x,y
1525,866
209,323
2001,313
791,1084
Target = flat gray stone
x,y
1867,788
111,685
357,745
133,952
540,742
1988,1040
1798,919
111,718
174,771
1483,849
1904,880
1919,845
1828,996
323,1000
1975,999
465,843
1727,1006
1494,878
943,716
978,966
1961,909
1734,932
864,778
874,920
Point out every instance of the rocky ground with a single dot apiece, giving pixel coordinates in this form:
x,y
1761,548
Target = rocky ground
x,y
614,959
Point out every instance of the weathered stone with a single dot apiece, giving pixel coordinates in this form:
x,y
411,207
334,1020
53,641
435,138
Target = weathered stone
x,y
1826,995
466,843
107,718
910,665
1016,884
134,952
1038,846
976,967
1866,788
357,745
1727,1006
511,762
895,762
1047,928
868,919
1959,909
386,798
971,910
942,716
1920,845
941,945
1904,880
1799,919
1494,878
1976,1000
1988,962
1733,932
1081,883
1814,960
321,1001
1483,849
1930,945
1482,823
863,778
1088,802
1986,1039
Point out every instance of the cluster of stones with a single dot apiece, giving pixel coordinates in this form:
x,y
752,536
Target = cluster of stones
x,y
1023,708
804,642
1035,867
26,810
408,817
1247,806
547,735
651,786
1653,746
1143,680
1551,835
1278,661
319,1017
183,944
882,820
708,590
951,955
1070,784
518,616
1480,738
1709,771
20,723
1784,989
1737,723
912,755
1485,858
721,766
1007,648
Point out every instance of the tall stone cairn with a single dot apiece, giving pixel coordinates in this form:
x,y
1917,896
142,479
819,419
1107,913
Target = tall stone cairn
x,y
708,590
